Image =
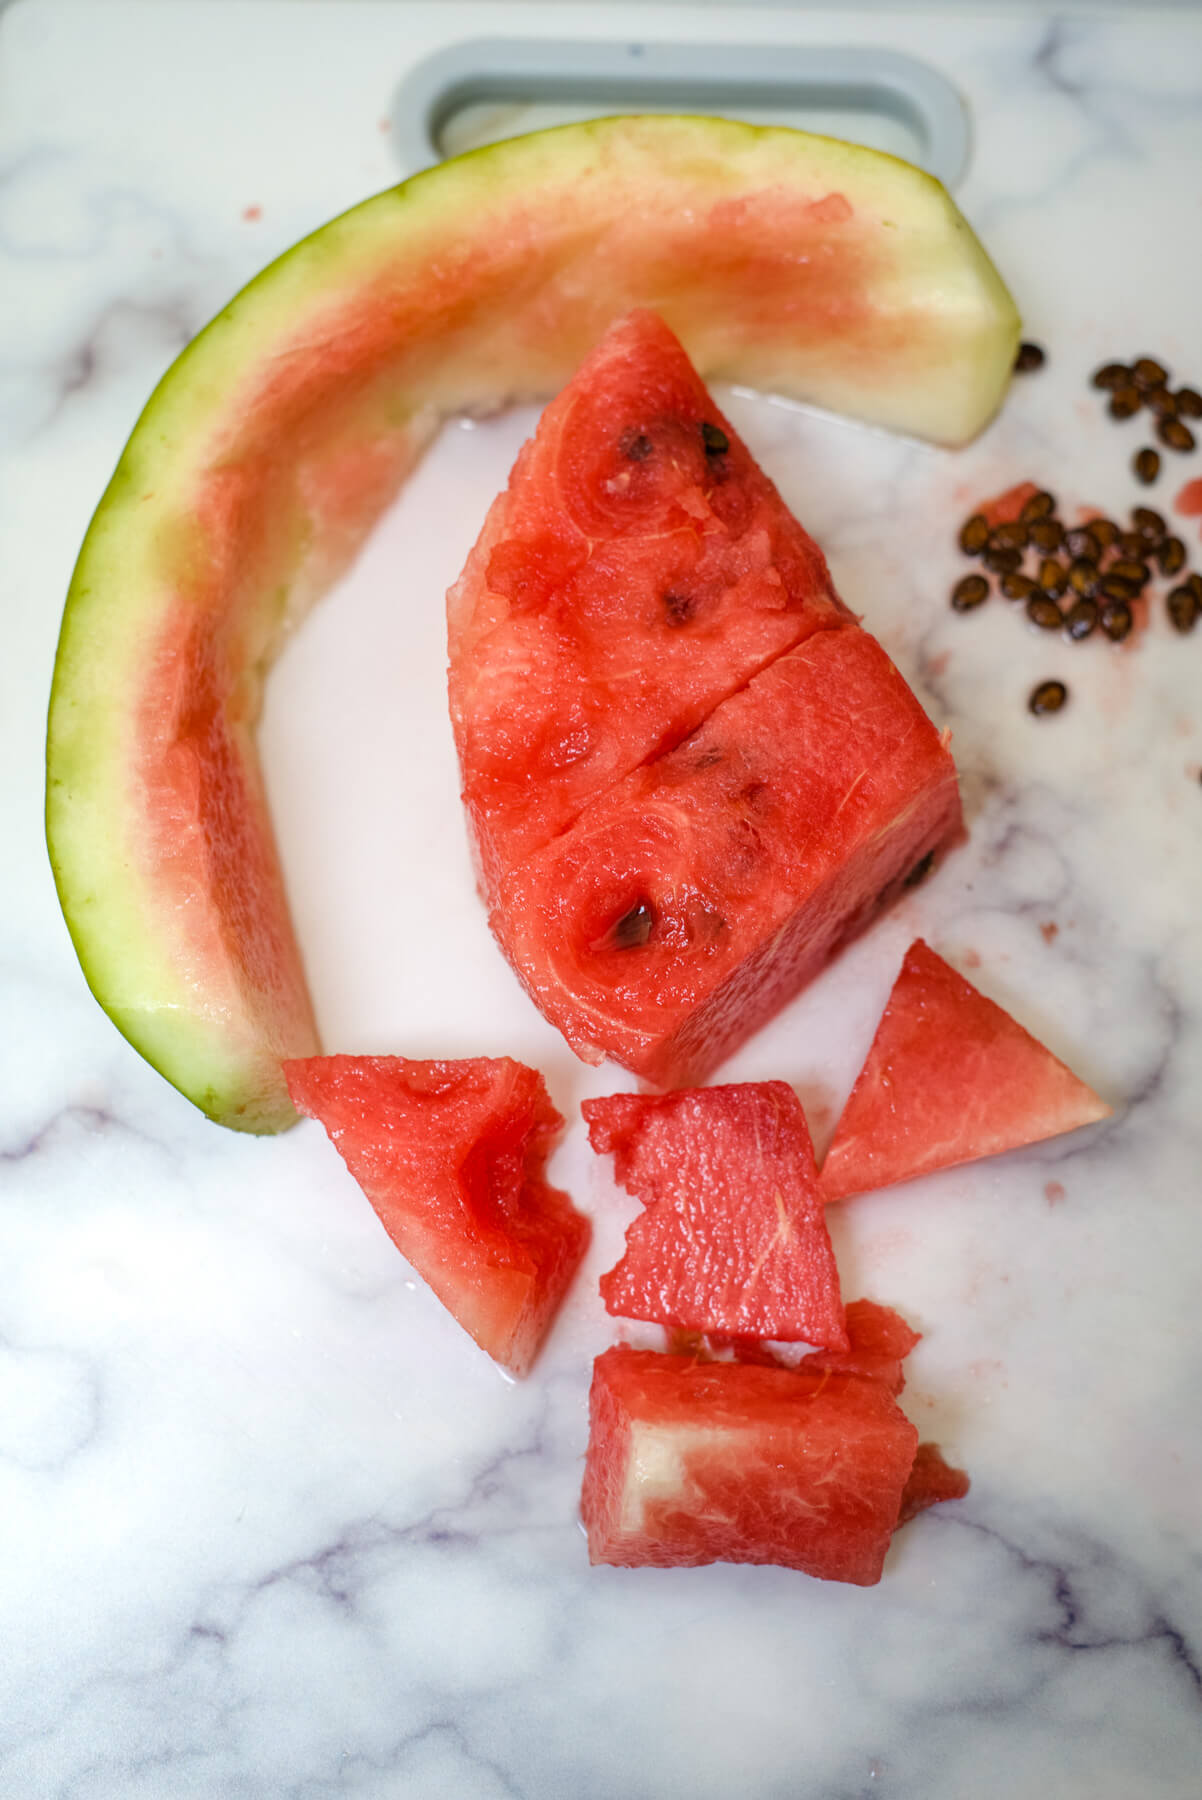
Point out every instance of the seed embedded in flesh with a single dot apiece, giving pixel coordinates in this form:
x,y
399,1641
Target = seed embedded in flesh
x,y
1083,576
1017,586
636,445
1183,608
1080,620
1104,531
1148,523
714,438
971,591
633,929
1040,506
921,870
1112,375
1046,534
679,607
974,535
1125,402
1170,556
1146,372
1175,434
1189,403
1002,562
1116,619
1080,541
1053,577
1030,357
1146,463
1044,612
1048,697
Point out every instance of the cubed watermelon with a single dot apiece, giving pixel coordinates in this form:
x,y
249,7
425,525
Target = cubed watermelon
x,y
732,1237
695,1462
950,1077
687,904
451,1156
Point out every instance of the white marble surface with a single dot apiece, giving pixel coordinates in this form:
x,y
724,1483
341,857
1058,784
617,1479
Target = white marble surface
x,y
273,1528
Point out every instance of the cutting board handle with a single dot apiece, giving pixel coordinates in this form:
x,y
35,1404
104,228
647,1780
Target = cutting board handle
x,y
687,77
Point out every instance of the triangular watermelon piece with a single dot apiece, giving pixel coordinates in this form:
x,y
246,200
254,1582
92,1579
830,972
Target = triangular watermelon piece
x,y
451,1156
638,569
950,1077
732,1237
879,1342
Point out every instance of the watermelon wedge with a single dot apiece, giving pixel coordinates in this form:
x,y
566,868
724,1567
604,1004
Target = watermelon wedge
x,y
690,902
695,1462
732,1238
782,260
950,1077
638,569
451,1156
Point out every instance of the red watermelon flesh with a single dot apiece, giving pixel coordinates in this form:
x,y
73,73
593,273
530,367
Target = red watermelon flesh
x,y
695,1462
686,905
929,1483
879,1342
638,569
451,1156
950,1077
732,1238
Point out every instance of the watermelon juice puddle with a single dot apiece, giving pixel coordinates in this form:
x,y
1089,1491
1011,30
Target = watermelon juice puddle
x,y
360,766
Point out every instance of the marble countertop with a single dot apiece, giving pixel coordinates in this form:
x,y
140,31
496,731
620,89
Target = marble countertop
x,y
273,1528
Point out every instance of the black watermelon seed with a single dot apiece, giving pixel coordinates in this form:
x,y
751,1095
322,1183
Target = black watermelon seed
x,y
1044,612
1189,403
1017,586
1125,402
1194,584
1130,543
1148,523
714,438
1048,697
1183,608
679,608
1118,587
1002,562
1112,375
974,534
634,928
1080,620
1104,531
1146,463
1012,535
1030,357
1116,619
1146,372
972,591
1080,541
1175,434
1083,576
1040,506
636,445
1053,577
1046,534
921,870
1161,402
1137,572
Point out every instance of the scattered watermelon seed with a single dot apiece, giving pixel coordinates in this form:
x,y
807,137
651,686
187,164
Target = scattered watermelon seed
x,y
1183,608
1189,403
1149,524
1083,576
1081,542
1011,535
1116,620
1125,570
1003,562
1117,588
969,592
1030,357
1048,697
1104,532
974,535
1019,587
1175,435
1046,534
1146,463
1161,402
1080,620
1040,506
1146,372
1125,402
1044,612
1053,577
1112,375
714,438
1170,556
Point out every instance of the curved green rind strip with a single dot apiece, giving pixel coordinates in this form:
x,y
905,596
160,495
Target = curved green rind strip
x,y
798,264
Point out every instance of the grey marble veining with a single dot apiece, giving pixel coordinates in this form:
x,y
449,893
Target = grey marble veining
x,y
274,1529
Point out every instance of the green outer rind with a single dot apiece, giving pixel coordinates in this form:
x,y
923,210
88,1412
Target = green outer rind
x,y
193,1023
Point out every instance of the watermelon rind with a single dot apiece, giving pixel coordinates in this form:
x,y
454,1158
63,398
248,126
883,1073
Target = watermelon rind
x,y
277,438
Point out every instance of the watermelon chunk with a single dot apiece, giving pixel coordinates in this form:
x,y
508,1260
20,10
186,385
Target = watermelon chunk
x,y
451,1156
732,1238
631,576
791,262
879,1340
690,902
930,1482
950,1077
695,1462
